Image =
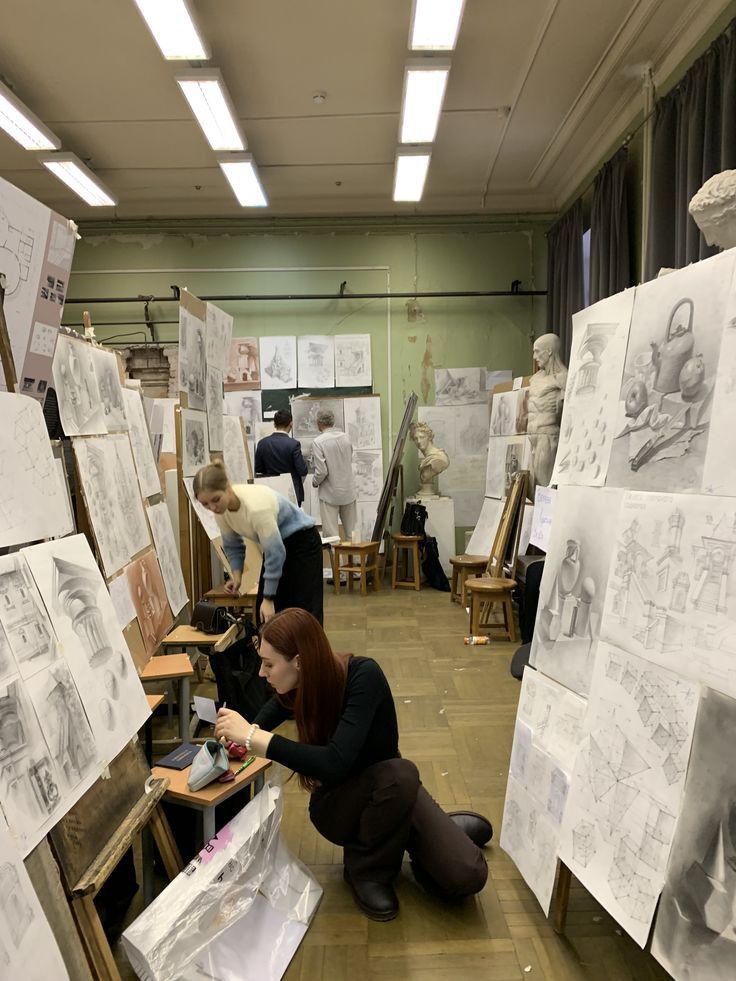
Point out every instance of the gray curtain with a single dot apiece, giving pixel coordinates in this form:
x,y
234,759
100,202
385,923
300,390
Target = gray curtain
x,y
694,137
610,257
565,274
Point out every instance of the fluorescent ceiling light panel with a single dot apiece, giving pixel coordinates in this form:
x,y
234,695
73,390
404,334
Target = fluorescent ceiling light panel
x,y
411,173
435,24
79,178
207,96
425,82
242,177
174,30
20,123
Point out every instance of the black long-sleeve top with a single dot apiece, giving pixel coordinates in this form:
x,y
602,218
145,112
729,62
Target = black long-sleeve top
x,y
367,732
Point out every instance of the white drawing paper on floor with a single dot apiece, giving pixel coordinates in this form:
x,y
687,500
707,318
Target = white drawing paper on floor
x,y
219,337
509,412
107,372
368,473
192,358
85,622
24,620
236,463
32,504
459,386
304,413
168,555
572,592
694,937
206,518
666,397
243,367
247,405
80,405
483,534
671,594
363,422
195,447
591,408
278,362
214,408
506,456
353,360
316,359
627,787
140,443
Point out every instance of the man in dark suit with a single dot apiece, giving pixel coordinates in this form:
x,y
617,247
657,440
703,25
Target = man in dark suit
x,y
279,453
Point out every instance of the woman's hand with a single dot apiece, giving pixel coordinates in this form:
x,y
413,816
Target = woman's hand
x,y
233,583
267,609
231,726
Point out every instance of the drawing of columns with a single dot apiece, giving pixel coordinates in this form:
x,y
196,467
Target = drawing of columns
x,y
594,343
75,589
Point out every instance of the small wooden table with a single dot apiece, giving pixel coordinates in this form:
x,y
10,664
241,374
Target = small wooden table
x,y
246,601
153,703
205,801
178,668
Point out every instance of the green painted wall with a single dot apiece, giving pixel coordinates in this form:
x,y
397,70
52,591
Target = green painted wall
x,y
304,257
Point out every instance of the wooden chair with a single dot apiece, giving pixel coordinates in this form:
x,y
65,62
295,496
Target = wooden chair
x,y
367,555
484,594
464,567
406,547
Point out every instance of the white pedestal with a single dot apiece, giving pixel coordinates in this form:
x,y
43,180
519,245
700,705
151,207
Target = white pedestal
x,y
440,525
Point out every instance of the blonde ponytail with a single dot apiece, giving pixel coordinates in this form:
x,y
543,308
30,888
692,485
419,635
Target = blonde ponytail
x,y
210,477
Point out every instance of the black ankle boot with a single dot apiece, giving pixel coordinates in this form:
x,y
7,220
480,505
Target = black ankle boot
x,y
475,826
376,900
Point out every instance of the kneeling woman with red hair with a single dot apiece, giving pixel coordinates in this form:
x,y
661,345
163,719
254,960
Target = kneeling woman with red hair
x,y
363,795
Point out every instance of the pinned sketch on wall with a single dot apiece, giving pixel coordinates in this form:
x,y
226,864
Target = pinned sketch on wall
x,y
316,355
353,360
192,358
140,443
509,412
671,594
107,371
304,414
368,473
168,555
278,362
243,367
247,405
482,538
219,337
162,421
80,404
214,408
85,622
32,504
506,456
25,624
666,397
148,592
233,453
363,422
459,386
694,930
627,787
195,447
572,592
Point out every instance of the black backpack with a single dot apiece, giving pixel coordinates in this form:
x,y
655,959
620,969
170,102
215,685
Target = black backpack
x,y
431,566
414,519
236,673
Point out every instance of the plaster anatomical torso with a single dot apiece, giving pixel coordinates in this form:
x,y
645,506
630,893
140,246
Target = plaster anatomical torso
x,y
546,395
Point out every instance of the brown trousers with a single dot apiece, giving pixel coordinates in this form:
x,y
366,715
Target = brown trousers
x,y
384,811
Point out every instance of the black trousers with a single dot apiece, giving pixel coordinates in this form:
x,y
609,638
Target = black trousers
x,y
301,582
384,811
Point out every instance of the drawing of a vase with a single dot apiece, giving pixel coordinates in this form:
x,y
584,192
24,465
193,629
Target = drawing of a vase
x,y
569,570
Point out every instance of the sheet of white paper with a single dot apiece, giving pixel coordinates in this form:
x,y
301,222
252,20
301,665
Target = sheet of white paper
x,y
282,484
219,337
459,386
530,838
168,555
518,382
247,405
68,525
214,408
363,422
304,413
544,509
107,372
140,442
368,473
163,423
555,715
192,358
316,354
206,518
353,360
482,538
236,463
278,362
120,596
509,412
506,456
80,405
195,445
719,475
205,709
493,378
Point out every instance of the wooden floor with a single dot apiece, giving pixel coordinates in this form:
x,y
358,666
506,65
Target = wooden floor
x,y
456,707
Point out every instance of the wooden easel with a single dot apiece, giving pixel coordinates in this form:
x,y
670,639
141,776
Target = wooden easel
x,y
504,551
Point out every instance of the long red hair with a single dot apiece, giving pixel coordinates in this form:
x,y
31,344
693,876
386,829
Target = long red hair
x,y
317,701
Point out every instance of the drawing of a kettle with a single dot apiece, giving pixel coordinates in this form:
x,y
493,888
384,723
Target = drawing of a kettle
x,y
676,349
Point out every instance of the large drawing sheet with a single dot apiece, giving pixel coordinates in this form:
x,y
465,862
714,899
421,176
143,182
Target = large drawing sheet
x,y
719,476
148,593
694,930
353,360
163,423
140,443
192,355
214,408
590,413
363,422
316,357
304,413
278,362
107,372
462,432
243,369
84,619
506,456
206,518
481,540
549,730
661,445
195,446
32,499
509,412
247,405
168,555
368,474
459,386
671,594
80,406
28,947
572,592
236,463
627,788
219,337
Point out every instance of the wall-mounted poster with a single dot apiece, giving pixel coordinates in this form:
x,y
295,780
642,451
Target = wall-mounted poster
x,y
316,354
278,362
353,360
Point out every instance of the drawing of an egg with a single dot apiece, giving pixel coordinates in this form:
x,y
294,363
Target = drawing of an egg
x,y
108,714
111,685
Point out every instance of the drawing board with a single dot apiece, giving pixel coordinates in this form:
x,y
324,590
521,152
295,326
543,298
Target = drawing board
x,y
247,405
236,463
278,362
353,360
485,529
140,443
304,414
506,456
316,361
214,408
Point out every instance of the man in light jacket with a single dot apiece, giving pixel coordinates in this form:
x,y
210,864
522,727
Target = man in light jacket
x,y
332,456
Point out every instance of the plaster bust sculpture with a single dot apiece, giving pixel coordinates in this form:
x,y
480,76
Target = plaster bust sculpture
x,y
546,395
433,462
713,209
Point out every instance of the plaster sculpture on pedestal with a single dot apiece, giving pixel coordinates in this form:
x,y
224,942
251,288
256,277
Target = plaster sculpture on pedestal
x,y
546,395
434,460
713,209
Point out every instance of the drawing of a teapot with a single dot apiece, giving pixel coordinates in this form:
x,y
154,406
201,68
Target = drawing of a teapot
x,y
676,349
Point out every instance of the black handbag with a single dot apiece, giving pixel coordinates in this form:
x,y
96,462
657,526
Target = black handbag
x,y
236,672
209,618
414,519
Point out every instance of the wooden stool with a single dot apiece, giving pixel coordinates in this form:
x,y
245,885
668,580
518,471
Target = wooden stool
x,y
484,592
463,567
367,553
408,547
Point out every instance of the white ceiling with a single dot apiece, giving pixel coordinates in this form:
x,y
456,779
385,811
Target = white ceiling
x,y
538,91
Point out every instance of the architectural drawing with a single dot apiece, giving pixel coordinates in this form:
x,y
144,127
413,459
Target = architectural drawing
x,y
278,362
304,413
148,592
247,405
243,367
506,456
31,503
219,337
529,836
672,590
509,412
214,408
233,452
628,784
353,360
107,372
80,404
482,538
195,447
86,625
694,936
666,397
192,358
459,386
461,431
24,620
316,355
368,473
140,442
168,555
573,588
363,422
